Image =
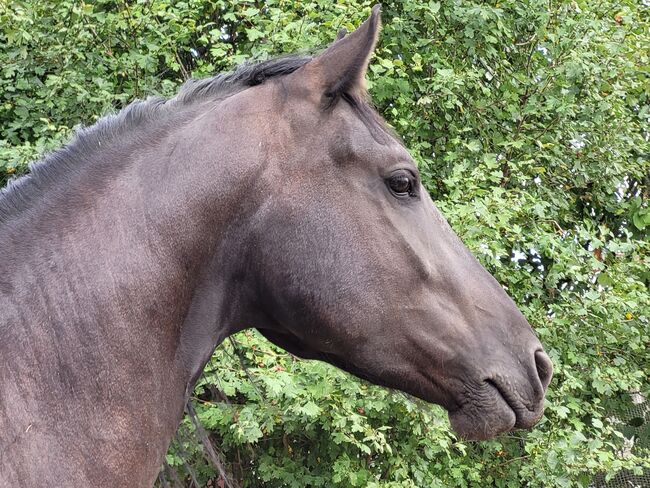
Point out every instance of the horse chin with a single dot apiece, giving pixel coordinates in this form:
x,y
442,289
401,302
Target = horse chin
x,y
476,423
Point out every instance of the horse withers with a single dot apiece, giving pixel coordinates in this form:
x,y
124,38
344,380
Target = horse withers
x,y
271,197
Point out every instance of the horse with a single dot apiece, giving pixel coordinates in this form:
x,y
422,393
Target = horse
x,y
273,197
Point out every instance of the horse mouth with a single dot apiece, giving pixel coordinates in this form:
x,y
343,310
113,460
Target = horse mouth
x,y
498,412
526,416
506,397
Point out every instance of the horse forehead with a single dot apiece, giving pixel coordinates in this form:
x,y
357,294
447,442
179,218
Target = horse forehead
x,y
339,131
347,137
393,149
362,144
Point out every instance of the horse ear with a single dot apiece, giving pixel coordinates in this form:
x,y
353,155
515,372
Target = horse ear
x,y
341,68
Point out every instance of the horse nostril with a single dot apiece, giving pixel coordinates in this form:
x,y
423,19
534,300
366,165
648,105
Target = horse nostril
x,y
544,367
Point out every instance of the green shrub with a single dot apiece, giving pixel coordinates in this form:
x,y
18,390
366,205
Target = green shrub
x,y
529,121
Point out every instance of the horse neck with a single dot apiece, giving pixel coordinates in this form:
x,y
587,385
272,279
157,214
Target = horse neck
x,y
120,298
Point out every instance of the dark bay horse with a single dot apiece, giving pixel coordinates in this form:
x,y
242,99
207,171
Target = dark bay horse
x,y
272,197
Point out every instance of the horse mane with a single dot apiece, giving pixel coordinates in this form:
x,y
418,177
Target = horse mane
x,y
244,76
64,163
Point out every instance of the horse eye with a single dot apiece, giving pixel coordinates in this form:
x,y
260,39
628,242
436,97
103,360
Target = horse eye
x,y
400,184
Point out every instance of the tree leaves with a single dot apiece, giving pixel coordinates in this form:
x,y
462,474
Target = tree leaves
x,y
529,122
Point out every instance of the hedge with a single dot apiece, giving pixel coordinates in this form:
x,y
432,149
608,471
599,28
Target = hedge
x,y
530,122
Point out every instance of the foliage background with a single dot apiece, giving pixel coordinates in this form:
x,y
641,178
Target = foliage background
x,y
529,120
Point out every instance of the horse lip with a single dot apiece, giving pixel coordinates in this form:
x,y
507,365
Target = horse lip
x,y
495,386
517,407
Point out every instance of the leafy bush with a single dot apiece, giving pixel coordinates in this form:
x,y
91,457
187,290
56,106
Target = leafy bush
x,y
529,121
